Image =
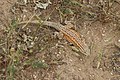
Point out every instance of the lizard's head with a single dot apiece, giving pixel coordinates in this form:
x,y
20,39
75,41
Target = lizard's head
x,y
85,49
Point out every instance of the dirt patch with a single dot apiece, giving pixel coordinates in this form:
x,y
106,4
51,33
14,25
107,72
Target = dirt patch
x,y
36,52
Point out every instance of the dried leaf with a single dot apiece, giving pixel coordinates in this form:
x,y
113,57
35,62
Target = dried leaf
x,y
43,5
25,1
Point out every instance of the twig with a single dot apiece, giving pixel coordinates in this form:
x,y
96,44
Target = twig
x,y
28,21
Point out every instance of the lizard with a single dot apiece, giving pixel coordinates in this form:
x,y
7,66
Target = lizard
x,y
70,34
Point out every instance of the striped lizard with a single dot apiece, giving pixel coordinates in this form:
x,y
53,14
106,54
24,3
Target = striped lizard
x,y
70,34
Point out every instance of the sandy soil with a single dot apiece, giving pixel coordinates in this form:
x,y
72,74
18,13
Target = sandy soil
x,y
102,34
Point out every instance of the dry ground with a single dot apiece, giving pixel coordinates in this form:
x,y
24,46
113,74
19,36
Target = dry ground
x,y
36,53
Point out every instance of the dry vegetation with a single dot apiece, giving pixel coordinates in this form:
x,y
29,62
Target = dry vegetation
x,y
35,52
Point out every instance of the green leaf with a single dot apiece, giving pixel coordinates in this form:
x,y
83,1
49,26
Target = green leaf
x,y
68,11
11,69
73,2
39,64
14,23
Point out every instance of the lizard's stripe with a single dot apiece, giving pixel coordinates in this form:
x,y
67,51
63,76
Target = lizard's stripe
x,y
72,35
75,39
